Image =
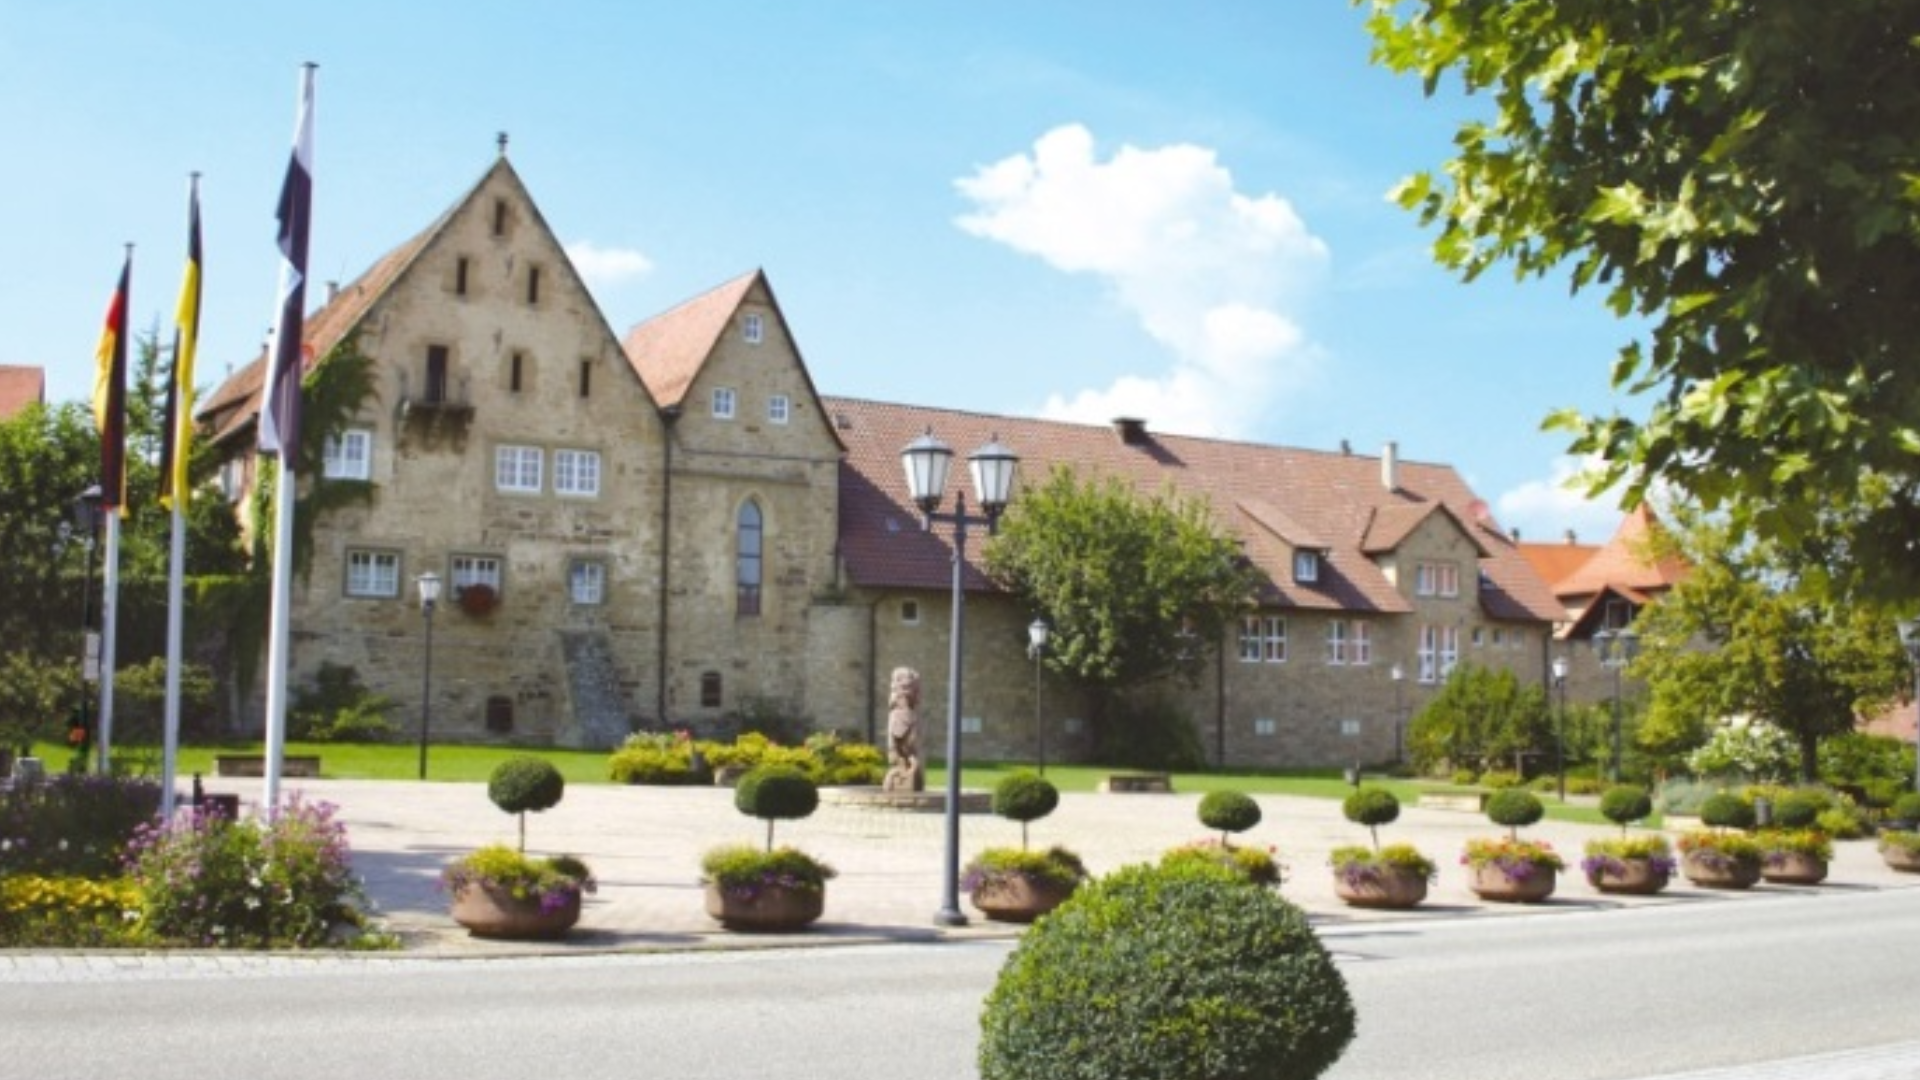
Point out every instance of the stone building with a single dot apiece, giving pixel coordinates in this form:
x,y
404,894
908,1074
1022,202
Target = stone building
x,y
675,528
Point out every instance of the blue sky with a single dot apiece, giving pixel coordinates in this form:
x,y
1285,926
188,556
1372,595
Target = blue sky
x,y
1175,210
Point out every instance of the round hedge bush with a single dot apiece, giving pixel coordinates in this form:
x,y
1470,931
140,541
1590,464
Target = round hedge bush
x,y
526,784
1229,811
1906,807
1025,797
1514,807
1625,804
1726,811
1371,806
1240,986
776,793
1797,810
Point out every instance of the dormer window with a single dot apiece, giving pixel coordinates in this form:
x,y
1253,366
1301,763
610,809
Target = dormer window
x,y
1306,566
753,329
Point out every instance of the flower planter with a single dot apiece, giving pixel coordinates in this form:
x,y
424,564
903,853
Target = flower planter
x,y
1629,876
1720,872
487,912
1390,887
767,909
1490,882
1018,898
1793,868
1905,860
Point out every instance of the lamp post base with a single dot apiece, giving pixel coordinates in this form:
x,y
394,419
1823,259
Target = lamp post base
x,y
949,917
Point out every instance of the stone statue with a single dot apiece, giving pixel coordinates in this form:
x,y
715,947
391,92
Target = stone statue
x,y
906,771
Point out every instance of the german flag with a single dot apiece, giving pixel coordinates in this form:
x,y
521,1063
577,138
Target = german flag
x,y
110,395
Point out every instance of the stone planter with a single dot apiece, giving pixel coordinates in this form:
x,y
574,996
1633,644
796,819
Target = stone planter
x,y
770,909
1629,877
1902,859
1793,868
1391,887
1017,898
1719,871
1492,883
495,913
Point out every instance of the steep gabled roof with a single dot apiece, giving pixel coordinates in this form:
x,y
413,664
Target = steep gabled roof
x,y
1556,563
1627,562
1275,499
21,387
668,350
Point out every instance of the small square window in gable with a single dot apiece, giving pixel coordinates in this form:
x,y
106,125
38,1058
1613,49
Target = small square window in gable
x,y
910,612
724,402
753,328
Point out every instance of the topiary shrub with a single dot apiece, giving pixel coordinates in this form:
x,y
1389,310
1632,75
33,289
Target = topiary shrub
x,y
1906,808
776,793
1514,807
1239,986
1726,811
1798,809
1024,797
1230,812
1625,804
523,785
1372,807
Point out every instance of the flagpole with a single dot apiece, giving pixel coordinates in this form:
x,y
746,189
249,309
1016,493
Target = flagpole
x,y
277,634
109,614
174,485
170,738
110,413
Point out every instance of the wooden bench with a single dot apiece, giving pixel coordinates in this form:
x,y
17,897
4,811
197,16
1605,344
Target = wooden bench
x,y
302,766
1137,783
1470,801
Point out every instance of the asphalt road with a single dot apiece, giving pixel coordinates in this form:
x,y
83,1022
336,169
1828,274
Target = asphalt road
x,y
1751,988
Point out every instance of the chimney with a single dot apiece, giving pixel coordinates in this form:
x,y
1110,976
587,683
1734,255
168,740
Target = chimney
x,y
1390,466
1132,430
333,290
1571,538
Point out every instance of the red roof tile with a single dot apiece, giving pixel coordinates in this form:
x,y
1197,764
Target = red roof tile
x,y
1626,562
20,387
668,350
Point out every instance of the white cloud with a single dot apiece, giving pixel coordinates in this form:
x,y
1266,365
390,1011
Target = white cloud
x,y
1206,270
1543,510
601,267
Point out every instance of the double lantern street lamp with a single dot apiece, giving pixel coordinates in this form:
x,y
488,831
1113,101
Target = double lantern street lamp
x,y
429,584
1036,648
1617,650
1910,640
927,461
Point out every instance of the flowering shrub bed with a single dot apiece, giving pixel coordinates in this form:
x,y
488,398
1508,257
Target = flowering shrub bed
x,y
1257,865
1517,859
1607,856
1366,866
744,871
667,758
209,881
76,826
1056,866
68,913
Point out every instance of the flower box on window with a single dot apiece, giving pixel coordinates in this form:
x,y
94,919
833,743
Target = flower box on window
x,y
477,599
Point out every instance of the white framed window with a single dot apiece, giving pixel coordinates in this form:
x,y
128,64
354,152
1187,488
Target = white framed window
x,y
1436,579
1428,654
1449,650
517,468
753,329
373,573
779,407
1306,566
1265,726
349,456
724,402
587,582
1360,642
1350,728
1337,641
1250,640
1263,639
475,570
576,472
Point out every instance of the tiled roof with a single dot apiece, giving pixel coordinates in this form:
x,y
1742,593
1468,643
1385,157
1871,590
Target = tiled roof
x,y
1556,563
21,387
1332,500
668,350
1625,562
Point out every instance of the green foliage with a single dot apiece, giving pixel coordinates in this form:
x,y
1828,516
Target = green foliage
x,y
1255,865
1481,718
1056,865
140,695
39,912
776,793
1242,987
1626,804
1024,797
1755,751
1137,588
1906,807
77,826
338,707
1879,794
1809,842
1726,811
1857,758
551,881
1799,809
206,880
655,757
834,760
1356,863
1515,858
1649,845
526,784
1844,822
1372,807
1900,841
744,870
1149,731
1514,807
1495,779
1738,176
1229,811
35,698
1716,847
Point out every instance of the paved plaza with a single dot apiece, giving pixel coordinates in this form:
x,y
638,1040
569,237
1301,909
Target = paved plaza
x,y
644,845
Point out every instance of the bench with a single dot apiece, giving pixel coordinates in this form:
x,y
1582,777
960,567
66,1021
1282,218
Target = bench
x,y
303,766
1471,801
1136,783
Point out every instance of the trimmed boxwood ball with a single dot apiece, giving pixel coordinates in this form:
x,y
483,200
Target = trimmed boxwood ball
x,y
1726,811
1514,807
776,793
1372,807
523,785
1024,797
1229,811
1167,973
1625,804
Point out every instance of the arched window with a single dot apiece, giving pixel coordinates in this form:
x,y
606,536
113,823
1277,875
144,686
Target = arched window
x,y
747,541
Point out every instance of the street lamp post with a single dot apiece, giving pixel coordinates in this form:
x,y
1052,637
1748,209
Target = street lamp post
x,y
1399,675
429,584
1036,647
927,460
1560,724
1910,639
1617,650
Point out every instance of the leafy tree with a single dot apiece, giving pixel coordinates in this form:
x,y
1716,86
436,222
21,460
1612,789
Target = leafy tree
x,y
1482,717
1738,175
1137,589
1741,635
